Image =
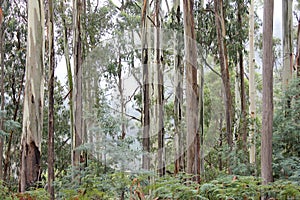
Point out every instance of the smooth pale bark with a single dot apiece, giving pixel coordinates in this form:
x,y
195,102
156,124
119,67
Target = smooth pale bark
x,y
146,97
77,87
220,28
252,88
192,101
267,99
237,100
33,98
287,27
178,109
51,100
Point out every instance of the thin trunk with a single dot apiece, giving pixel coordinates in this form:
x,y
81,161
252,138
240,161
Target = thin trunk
x,y
122,101
192,101
51,100
201,119
69,70
243,127
287,26
160,91
77,88
220,26
267,99
8,152
146,98
33,98
252,89
221,141
2,95
179,70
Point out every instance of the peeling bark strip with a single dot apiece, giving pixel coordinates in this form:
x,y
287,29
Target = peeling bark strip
x,y
33,99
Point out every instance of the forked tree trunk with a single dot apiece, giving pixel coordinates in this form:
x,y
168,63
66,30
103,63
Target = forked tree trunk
x,y
267,99
192,101
51,100
33,98
220,26
252,89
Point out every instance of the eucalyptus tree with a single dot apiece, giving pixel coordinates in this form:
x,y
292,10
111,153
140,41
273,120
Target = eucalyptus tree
x,y
267,110
15,33
160,89
220,29
51,99
146,97
78,132
178,100
33,99
252,88
192,137
287,32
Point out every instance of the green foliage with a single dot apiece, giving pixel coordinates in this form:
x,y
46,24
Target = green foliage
x,y
248,187
169,187
287,134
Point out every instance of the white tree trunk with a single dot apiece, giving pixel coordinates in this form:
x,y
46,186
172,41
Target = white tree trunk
x,y
252,89
33,97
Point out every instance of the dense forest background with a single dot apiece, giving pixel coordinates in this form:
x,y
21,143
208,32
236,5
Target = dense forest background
x,y
160,99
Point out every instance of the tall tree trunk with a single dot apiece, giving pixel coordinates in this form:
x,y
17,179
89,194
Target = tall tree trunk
x,y
243,129
252,89
51,100
267,99
192,101
68,65
146,98
33,98
178,109
287,25
220,25
77,88
160,91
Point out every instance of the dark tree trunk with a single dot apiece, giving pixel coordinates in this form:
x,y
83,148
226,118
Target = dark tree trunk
x,y
243,130
51,100
146,98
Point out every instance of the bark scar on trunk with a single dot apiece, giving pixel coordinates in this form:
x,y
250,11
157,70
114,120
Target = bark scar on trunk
x,y
32,162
